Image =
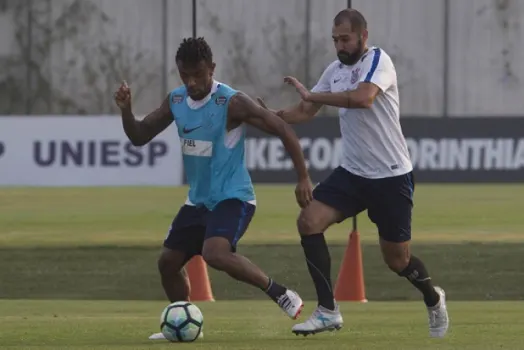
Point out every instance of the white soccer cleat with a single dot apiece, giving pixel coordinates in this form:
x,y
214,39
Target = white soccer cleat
x,y
291,303
322,320
438,316
160,336
157,336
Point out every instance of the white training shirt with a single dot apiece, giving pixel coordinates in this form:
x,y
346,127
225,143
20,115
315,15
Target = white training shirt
x,y
373,145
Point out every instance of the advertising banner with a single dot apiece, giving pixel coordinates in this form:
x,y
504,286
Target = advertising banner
x,y
441,149
83,151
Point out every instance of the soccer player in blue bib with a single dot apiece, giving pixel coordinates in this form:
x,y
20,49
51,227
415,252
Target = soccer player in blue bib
x,y
211,118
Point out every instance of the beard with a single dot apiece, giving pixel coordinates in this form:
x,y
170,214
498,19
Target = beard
x,y
349,58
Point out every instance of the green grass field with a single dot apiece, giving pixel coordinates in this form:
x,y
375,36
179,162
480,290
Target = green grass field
x,y
141,216
254,325
78,271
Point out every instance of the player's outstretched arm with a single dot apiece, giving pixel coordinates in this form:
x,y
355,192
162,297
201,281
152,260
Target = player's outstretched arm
x,y
296,114
243,109
362,97
140,132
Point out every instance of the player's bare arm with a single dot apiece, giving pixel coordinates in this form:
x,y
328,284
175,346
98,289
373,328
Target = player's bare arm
x,y
296,114
140,132
243,109
362,97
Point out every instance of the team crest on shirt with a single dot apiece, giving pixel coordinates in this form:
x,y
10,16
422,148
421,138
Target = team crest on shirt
x,y
355,74
177,98
221,100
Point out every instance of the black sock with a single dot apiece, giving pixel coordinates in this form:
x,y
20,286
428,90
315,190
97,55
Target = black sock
x,y
416,273
319,266
275,290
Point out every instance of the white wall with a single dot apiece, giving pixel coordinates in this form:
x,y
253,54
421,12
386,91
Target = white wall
x,y
256,43
486,51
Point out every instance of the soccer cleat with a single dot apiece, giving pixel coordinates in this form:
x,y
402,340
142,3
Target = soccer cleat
x,y
291,303
160,336
438,316
157,336
322,320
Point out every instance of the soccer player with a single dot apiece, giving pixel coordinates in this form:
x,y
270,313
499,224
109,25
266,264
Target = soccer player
x,y
375,174
210,118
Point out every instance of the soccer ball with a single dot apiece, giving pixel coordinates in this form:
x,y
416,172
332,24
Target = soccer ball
x,y
181,321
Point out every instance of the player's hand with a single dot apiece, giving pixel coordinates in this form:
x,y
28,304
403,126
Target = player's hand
x,y
263,105
123,96
304,192
301,89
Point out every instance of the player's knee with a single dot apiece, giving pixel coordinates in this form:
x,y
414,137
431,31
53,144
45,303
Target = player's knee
x,y
396,265
308,224
163,264
168,262
396,261
216,259
395,255
316,218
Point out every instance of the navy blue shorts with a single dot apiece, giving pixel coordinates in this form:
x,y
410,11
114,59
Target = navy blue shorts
x,y
389,201
193,225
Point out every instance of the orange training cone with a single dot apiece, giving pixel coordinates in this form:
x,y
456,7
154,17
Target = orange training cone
x,y
196,269
350,281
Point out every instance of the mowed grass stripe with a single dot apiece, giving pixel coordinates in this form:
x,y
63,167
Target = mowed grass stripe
x,y
141,216
115,325
467,272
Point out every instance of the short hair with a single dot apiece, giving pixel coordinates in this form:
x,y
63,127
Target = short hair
x,y
194,50
357,20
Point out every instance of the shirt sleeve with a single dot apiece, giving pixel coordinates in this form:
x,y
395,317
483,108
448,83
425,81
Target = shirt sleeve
x,y
324,83
378,69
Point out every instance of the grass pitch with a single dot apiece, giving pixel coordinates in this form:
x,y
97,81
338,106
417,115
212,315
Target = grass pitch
x,y
141,216
255,325
79,247
102,243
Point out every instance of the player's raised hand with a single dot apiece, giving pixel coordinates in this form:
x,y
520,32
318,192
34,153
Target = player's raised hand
x,y
304,192
301,89
123,96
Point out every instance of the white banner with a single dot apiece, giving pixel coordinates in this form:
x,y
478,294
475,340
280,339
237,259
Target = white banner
x,y
84,151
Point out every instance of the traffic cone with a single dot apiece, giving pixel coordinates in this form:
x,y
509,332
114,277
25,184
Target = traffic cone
x,y
196,269
350,281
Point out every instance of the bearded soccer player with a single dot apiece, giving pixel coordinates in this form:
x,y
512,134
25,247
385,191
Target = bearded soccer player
x,y
210,118
375,174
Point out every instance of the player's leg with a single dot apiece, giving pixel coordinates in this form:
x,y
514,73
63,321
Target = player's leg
x,y
335,199
173,275
184,240
390,208
226,225
174,279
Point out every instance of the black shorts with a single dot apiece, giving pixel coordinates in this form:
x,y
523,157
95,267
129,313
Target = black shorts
x,y
389,201
193,225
